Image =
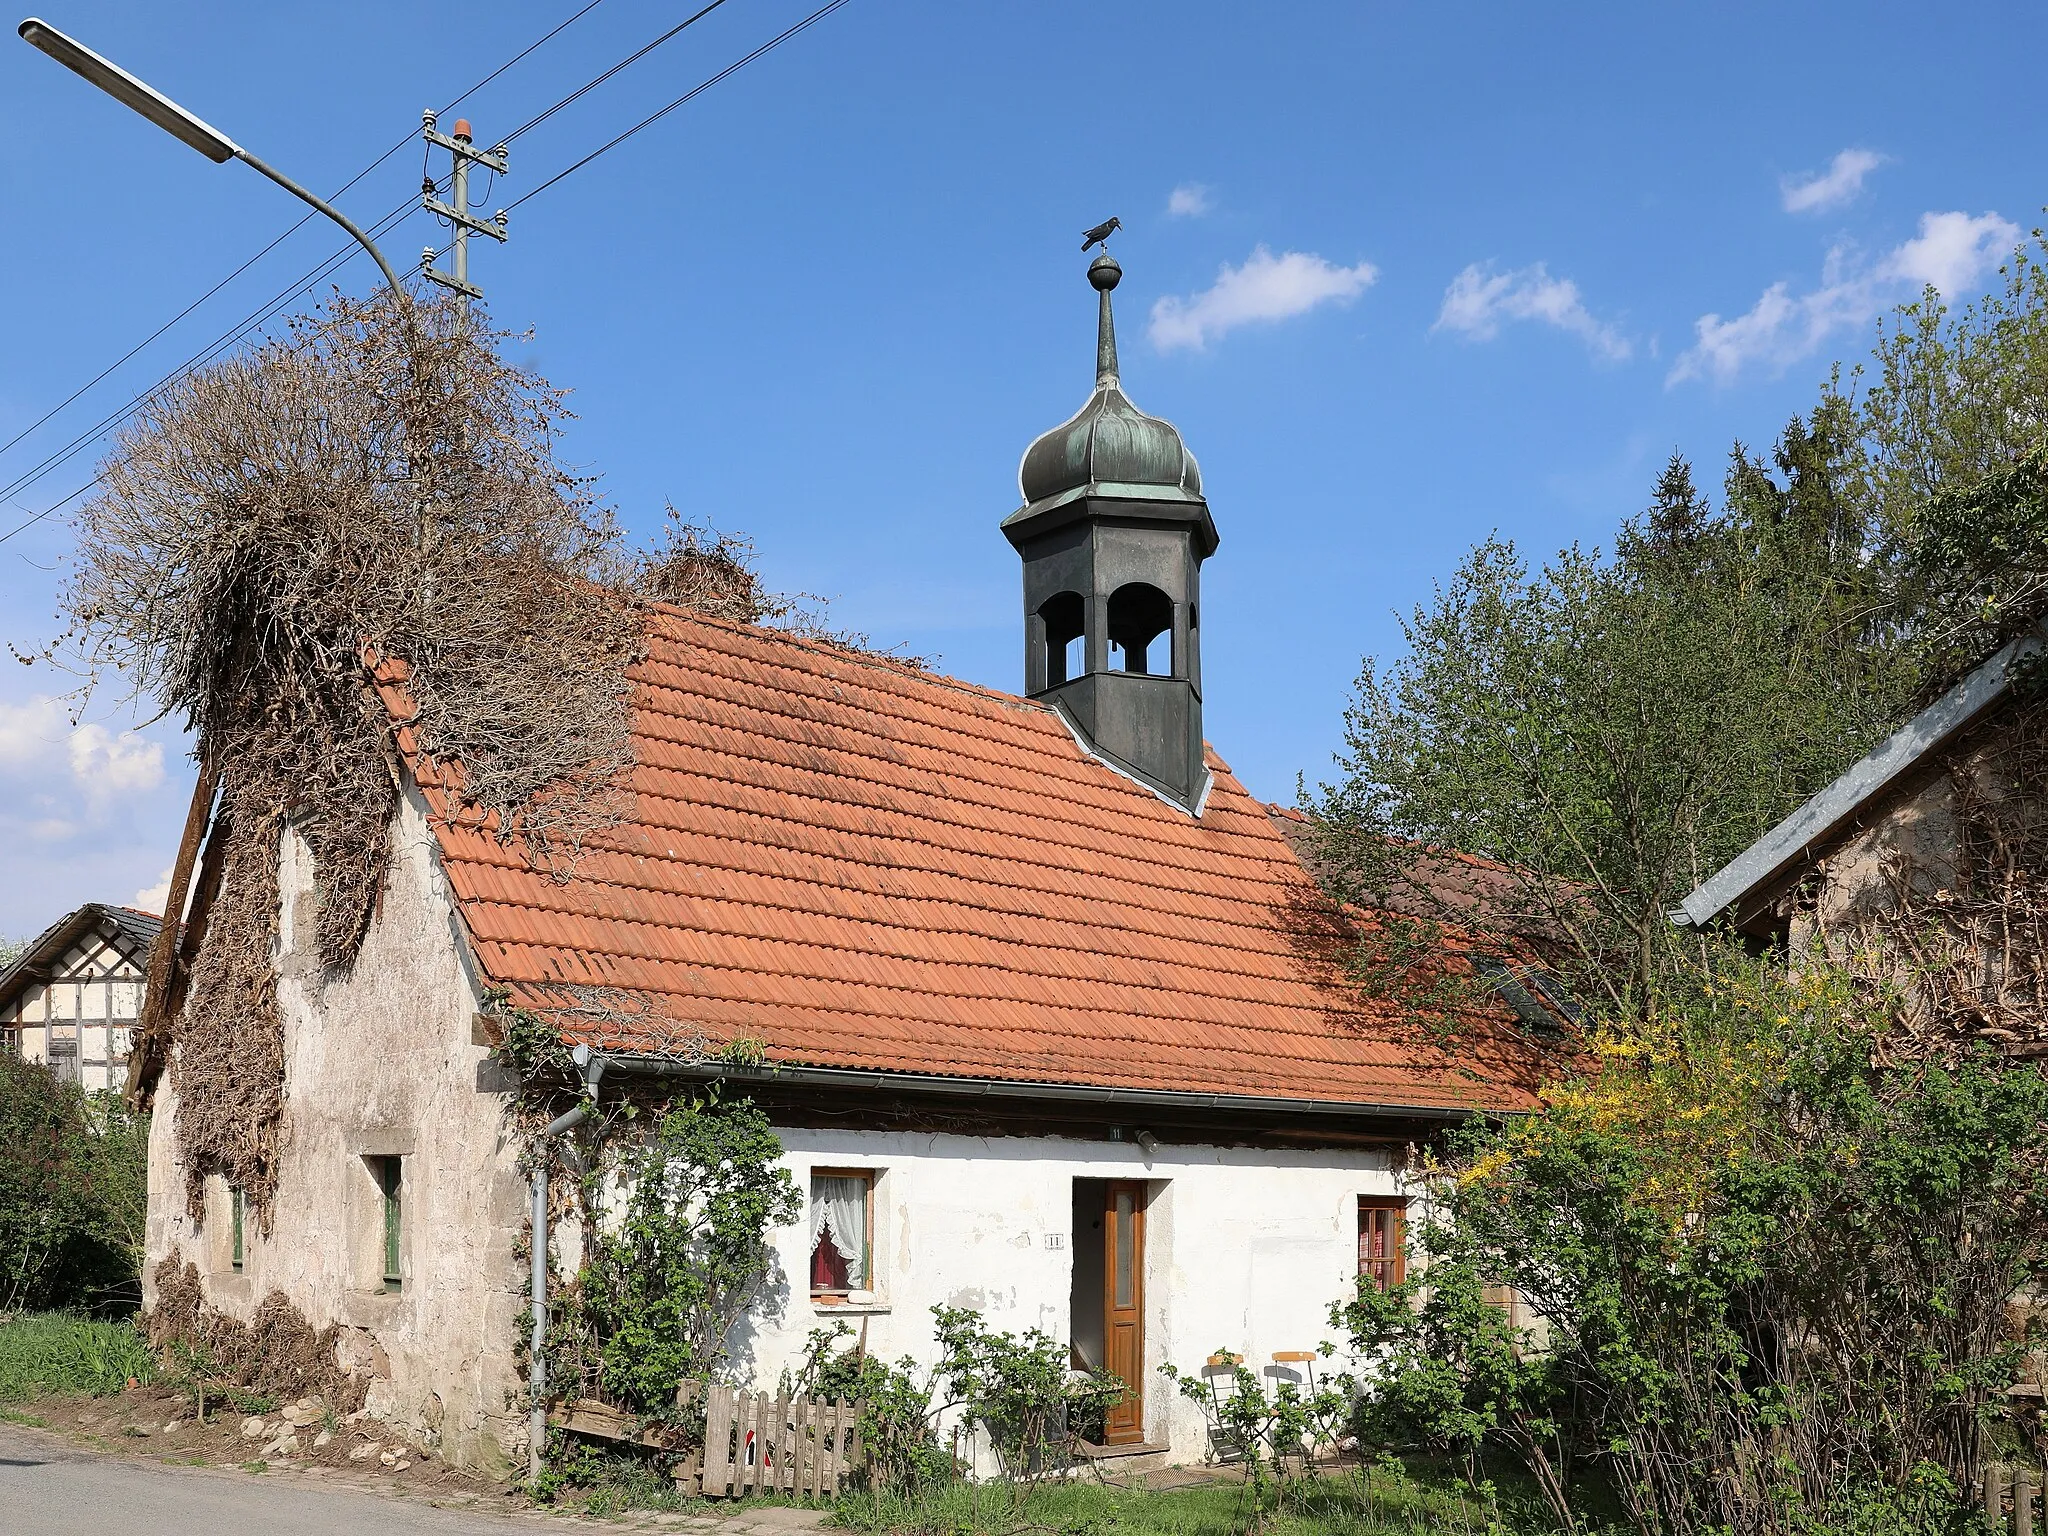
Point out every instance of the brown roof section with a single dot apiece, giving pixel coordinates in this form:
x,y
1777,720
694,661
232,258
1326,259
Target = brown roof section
x,y
862,865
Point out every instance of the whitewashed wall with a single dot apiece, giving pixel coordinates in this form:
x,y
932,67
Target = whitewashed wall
x,y
1245,1249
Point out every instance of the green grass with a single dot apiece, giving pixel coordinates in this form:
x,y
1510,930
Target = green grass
x,y
1385,1503
44,1352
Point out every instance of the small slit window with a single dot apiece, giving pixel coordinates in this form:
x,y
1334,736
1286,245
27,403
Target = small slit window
x,y
1382,1240
390,1176
1138,616
1066,648
842,1223
236,1207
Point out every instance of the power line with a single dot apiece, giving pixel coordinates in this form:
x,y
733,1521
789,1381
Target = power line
x,y
153,336
654,117
225,340
398,215
632,58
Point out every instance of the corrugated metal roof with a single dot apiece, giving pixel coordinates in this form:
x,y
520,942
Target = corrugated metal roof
x,y
862,865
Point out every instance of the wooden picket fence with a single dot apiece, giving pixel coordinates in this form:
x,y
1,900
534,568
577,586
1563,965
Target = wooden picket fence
x,y
758,1443
754,1442
2013,1500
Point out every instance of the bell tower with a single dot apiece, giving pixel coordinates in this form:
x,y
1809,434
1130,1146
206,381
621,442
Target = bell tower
x,y
1113,533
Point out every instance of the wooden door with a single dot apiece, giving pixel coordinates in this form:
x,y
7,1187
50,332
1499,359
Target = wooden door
x,y
1123,1307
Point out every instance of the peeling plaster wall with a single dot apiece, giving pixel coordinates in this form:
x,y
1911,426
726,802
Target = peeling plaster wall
x,y
1245,1249
379,1062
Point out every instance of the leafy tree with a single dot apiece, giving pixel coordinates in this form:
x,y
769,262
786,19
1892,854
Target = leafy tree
x,y
1947,456
1613,729
73,1172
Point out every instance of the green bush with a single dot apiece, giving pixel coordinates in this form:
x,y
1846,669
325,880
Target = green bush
x,y
1777,1281
44,1352
73,1183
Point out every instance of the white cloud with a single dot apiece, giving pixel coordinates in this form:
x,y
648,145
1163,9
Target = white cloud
x,y
1266,287
1830,188
153,898
1951,252
37,738
1189,200
1480,299
107,764
31,733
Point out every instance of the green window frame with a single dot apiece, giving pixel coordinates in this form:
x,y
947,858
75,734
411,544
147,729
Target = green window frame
x,y
391,1184
235,1205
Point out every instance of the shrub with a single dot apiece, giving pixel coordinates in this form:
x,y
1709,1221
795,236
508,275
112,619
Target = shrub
x,y
73,1172
684,1254
1771,1271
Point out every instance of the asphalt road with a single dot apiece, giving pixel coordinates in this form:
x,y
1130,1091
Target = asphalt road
x,y
49,1487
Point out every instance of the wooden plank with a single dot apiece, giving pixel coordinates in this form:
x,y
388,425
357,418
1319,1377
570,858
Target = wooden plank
x,y
717,1442
756,1420
836,1465
2023,1503
811,1438
828,1450
1994,1493
778,1470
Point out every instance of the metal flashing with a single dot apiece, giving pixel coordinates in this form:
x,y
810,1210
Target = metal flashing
x,y
1122,769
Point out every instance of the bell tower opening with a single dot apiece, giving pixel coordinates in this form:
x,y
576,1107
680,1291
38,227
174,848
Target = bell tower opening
x,y
1065,617
1138,615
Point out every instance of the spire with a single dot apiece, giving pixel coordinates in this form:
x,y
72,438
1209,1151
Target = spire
x,y
1104,274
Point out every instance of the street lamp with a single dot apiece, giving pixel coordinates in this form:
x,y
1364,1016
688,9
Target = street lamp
x,y
182,125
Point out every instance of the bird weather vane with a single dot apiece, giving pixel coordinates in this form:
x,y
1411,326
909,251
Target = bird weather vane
x,y
1100,234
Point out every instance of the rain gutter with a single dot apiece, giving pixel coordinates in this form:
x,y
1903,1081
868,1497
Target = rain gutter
x,y
1001,1088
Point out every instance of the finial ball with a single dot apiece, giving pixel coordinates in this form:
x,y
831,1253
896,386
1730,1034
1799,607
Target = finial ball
x,y
1103,273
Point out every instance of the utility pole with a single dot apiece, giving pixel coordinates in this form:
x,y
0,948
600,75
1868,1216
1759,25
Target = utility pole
x,y
457,210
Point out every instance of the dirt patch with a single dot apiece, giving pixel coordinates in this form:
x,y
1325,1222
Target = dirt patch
x,y
156,1424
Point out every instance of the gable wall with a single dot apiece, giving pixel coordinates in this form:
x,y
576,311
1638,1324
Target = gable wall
x,y
80,1021
379,1062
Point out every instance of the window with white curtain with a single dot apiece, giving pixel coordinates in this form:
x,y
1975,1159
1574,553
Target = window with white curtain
x,y
842,1218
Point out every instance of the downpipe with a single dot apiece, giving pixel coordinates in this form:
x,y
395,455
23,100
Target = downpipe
x,y
592,1067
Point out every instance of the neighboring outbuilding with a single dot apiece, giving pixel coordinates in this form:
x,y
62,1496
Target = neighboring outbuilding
x,y
1923,861
71,998
1050,1019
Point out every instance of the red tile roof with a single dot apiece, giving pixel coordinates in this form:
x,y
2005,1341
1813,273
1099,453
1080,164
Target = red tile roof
x,y
862,865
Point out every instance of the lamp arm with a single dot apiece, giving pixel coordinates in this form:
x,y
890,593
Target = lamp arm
x,y
390,277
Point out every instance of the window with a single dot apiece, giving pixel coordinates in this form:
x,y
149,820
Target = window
x,y
842,1217
1138,615
235,1204
1383,1240
390,1172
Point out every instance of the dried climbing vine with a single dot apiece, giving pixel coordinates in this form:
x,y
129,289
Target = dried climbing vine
x,y
373,487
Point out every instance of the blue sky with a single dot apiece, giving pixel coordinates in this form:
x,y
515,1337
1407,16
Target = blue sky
x,y
1402,274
